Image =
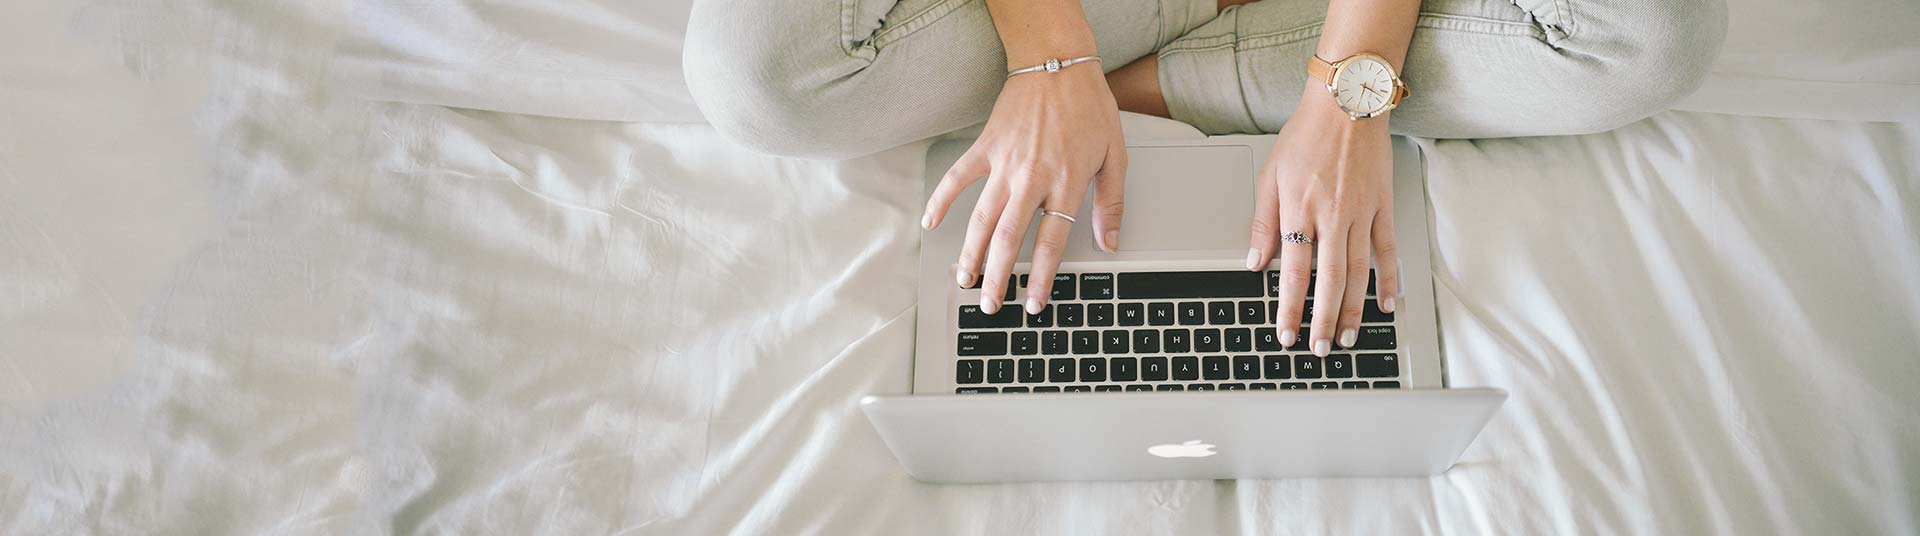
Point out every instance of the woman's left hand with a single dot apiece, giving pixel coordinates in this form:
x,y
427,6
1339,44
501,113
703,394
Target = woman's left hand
x,y
1330,178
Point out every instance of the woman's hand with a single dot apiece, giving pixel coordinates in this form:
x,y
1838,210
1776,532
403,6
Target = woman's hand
x,y
1049,135
1330,178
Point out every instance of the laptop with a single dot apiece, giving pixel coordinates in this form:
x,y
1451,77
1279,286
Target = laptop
x,y
1161,361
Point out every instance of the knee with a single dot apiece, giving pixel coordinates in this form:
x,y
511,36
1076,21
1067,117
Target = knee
x,y
752,79
1663,57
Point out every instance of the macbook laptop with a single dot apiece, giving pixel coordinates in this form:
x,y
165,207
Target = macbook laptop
x,y
1162,361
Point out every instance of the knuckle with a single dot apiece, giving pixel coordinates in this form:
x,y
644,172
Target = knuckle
x,y
1359,266
1005,234
1049,246
1264,224
1296,276
980,218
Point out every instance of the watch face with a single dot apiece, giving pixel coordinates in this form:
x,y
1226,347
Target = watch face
x,y
1363,86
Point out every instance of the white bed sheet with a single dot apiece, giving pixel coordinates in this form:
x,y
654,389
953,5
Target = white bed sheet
x,y
264,305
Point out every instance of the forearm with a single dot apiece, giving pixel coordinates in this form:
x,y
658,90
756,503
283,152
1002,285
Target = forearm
x,y
1034,30
1383,27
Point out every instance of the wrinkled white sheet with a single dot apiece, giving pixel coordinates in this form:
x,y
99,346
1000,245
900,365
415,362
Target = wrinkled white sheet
x,y
235,297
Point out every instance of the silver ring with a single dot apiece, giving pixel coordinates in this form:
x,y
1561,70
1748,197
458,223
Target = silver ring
x,y
1058,214
1297,237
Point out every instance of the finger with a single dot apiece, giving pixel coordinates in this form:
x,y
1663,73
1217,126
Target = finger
x,y
1266,225
1386,261
1331,285
1109,192
980,223
1354,296
970,168
1049,246
1296,273
1009,234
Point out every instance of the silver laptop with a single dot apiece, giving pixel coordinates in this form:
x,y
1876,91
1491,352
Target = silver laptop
x,y
1162,361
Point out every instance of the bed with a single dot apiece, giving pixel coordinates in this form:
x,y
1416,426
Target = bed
x,y
404,267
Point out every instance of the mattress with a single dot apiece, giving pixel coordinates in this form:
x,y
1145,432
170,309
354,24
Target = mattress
x,y
240,293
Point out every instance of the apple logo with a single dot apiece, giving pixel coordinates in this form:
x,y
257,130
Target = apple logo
x,y
1190,449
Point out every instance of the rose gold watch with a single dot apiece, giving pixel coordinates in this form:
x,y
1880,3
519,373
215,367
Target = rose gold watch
x,y
1363,85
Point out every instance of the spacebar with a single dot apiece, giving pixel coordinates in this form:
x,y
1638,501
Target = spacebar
x,y
1163,285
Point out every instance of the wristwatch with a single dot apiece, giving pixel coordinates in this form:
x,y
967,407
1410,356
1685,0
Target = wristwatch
x,y
1362,84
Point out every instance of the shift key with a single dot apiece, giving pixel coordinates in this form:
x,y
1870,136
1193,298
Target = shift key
x,y
972,318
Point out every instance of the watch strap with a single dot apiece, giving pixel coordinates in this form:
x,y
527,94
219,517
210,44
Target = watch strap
x,y
1320,69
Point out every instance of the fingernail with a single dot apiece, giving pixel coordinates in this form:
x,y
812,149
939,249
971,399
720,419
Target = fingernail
x,y
926,222
1346,338
1253,257
963,277
1287,337
1386,304
1110,241
1033,306
988,304
1319,347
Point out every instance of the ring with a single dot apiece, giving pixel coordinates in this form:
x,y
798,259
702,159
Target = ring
x,y
1057,214
1297,237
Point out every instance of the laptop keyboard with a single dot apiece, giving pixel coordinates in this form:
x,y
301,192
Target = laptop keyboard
x,y
1162,331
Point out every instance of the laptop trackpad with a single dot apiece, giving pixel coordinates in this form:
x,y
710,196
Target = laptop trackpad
x,y
1188,198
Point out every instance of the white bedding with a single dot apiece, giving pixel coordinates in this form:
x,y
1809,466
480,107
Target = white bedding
x,y
236,297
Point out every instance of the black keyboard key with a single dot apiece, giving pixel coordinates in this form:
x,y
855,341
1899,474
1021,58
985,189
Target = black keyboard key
x,y
1371,314
1169,387
969,371
1266,340
1192,313
1220,313
1079,389
1306,367
1062,288
1372,280
1200,387
1177,340
1114,341
1053,342
1096,286
1060,370
982,343
1253,312
1146,341
1160,314
1278,367
1069,315
972,318
1123,369
1386,385
1093,369
1139,387
1000,371
1153,369
1042,319
1032,370
1246,367
1086,342
1293,386
1046,389
1338,366
1273,283
1273,311
1233,387
1133,314
1353,385
1324,385
1215,367
1377,365
1100,314
1026,343
1162,285
1186,368
1106,388
1206,340
1238,339
976,390
1012,283
1265,386
1376,338
1013,389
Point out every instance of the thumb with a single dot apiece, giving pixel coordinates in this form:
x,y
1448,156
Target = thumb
x,y
1109,193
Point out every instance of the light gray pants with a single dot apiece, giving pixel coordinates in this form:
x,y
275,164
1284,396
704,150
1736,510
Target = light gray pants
x,y
842,78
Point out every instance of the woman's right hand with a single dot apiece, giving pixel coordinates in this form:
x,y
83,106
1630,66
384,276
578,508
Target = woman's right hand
x,y
1050,134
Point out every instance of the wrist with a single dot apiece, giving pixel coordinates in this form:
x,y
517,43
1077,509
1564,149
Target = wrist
x,y
1317,106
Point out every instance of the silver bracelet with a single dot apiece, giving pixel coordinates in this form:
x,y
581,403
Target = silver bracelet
x,y
1053,65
